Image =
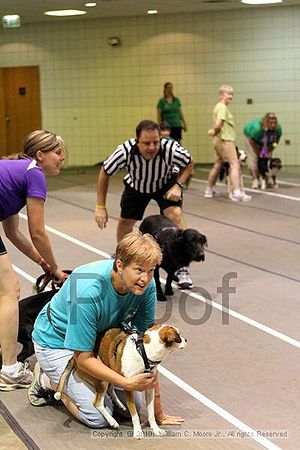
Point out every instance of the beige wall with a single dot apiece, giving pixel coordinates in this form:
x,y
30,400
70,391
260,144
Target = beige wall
x,y
94,94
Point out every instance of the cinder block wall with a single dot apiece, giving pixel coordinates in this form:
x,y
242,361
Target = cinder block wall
x,y
94,94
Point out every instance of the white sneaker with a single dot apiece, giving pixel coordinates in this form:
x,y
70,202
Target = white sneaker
x,y
240,196
20,379
255,184
38,394
209,192
183,277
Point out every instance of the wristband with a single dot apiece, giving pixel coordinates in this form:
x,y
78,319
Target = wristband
x,y
100,207
179,184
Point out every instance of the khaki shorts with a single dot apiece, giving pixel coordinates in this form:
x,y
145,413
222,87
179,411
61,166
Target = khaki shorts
x,y
225,150
252,154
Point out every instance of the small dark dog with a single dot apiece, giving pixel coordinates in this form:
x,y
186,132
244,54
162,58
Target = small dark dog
x,y
29,309
179,248
268,169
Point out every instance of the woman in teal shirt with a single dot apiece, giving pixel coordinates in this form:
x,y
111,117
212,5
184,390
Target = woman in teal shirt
x,y
96,297
169,110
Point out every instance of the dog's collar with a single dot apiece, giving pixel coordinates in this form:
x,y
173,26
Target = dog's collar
x,y
168,245
138,340
160,232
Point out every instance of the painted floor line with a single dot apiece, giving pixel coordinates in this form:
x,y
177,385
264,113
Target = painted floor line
x,y
256,191
248,320
232,313
217,409
281,182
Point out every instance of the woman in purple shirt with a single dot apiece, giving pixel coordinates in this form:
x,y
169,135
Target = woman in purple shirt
x,y
23,183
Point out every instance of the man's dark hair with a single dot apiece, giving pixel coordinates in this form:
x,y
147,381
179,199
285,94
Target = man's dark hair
x,y
148,125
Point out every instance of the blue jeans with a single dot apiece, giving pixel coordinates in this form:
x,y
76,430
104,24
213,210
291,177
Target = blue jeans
x,y
53,363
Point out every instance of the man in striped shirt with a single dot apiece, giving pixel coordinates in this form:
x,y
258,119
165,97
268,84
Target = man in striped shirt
x,y
156,169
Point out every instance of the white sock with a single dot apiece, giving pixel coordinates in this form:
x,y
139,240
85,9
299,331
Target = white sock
x,y
10,370
46,381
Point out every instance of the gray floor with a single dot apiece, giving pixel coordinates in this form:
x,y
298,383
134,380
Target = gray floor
x,y
240,370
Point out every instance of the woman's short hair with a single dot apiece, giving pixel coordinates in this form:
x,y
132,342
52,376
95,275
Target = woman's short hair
x,y
225,88
139,248
265,120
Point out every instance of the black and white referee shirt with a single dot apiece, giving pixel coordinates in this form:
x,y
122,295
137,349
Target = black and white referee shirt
x,y
148,176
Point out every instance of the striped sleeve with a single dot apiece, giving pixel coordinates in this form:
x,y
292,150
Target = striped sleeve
x,y
119,158
175,154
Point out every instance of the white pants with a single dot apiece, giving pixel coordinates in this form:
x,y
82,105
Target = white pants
x,y
53,363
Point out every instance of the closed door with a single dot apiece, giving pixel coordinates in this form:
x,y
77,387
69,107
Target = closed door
x,y
20,108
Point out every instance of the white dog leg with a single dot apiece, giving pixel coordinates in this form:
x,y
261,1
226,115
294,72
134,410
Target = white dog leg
x,y
99,404
137,429
263,184
150,411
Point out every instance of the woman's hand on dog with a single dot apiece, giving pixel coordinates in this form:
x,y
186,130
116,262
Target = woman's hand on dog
x,y
141,382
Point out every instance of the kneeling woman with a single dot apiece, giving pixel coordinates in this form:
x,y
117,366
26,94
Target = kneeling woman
x,y
96,297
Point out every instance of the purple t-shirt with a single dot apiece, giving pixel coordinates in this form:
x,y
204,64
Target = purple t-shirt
x,y
19,179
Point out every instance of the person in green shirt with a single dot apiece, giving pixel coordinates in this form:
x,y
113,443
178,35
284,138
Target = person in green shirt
x,y
169,110
262,137
224,136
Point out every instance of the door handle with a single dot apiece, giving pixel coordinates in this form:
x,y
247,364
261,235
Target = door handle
x,y
7,119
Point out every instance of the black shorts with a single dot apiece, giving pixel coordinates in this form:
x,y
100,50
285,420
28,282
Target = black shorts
x,y
176,133
134,203
3,250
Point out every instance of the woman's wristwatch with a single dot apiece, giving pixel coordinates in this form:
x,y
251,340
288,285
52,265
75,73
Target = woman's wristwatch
x,y
179,184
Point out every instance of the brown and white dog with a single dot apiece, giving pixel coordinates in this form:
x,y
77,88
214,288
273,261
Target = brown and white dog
x,y
124,353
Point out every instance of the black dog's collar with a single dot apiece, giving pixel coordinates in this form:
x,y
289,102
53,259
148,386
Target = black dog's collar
x,y
162,230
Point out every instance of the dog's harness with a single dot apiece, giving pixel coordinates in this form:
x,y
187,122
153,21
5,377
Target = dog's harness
x,y
137,337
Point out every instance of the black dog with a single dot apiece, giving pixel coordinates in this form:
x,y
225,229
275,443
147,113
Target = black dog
x,y
29,309
268,169
179,248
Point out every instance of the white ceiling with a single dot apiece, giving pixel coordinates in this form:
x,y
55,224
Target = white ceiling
x,y
33,10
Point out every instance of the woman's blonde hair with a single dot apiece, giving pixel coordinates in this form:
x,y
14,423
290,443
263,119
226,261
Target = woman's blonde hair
x,y
39,140
225,88
139,248
265,120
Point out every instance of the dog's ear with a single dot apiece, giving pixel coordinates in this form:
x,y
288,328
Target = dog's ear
x,y
169,335
203,240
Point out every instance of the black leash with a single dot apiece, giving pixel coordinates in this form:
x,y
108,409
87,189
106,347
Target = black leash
x,y
139,343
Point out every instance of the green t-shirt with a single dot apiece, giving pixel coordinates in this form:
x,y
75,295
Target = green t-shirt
x,y
170,111
254,131
221,111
